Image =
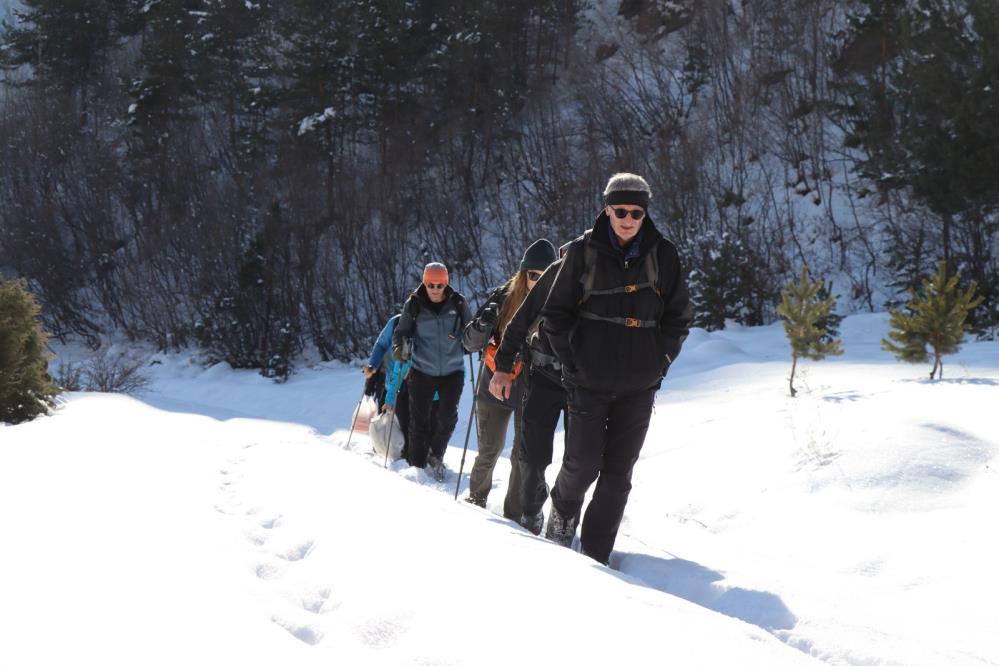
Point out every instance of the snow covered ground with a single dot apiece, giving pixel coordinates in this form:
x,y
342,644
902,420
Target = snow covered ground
x,y
218,518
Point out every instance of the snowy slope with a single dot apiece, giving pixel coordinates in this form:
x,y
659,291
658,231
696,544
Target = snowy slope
x,y
243,541
218,517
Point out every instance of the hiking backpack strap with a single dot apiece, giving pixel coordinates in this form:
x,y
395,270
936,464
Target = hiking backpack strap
x,y
589,276
589,268
414,305
459,321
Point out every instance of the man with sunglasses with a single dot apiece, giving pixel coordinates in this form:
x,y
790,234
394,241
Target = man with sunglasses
x,y
616,317
429,332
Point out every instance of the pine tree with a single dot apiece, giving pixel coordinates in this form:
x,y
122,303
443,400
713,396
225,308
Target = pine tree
x,y
727,282
935,318
26,389
250,324
918,80
64,41
808,321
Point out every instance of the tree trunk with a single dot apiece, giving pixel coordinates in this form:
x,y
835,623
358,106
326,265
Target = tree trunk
x,y
790,382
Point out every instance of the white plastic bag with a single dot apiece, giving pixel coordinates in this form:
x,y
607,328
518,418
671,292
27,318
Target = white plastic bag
x,y
386,433
367,410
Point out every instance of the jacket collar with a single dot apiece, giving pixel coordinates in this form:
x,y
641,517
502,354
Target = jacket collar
x,y
647,238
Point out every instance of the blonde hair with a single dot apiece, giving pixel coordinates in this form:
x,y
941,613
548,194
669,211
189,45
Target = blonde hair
x,y
516,291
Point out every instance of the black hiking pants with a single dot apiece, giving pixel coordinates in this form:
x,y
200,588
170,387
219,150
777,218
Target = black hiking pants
x,y
402,415
426,435
605,434
544,402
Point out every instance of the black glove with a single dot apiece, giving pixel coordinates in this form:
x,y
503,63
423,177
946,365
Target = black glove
x,y
489,317
374,384
403,351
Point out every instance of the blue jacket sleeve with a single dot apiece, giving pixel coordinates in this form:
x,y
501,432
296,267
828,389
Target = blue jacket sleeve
x,y
383,343
393,379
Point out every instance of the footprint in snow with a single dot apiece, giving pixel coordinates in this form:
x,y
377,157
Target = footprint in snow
x,y
256,538
318,601
267,571
299,552
303,632
271,523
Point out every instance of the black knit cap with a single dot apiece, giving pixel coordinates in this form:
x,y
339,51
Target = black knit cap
x,y
633,197
539,256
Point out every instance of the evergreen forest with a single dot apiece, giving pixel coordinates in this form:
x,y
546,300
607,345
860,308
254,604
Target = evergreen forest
x,y
258,177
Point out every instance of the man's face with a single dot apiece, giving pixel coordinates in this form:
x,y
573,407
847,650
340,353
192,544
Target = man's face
x,y
435,290
626,227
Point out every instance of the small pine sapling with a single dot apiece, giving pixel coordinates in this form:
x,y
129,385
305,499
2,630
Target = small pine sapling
x,y
809,321
935,318
26,388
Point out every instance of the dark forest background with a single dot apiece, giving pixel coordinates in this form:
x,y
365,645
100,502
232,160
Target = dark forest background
x,y
258,177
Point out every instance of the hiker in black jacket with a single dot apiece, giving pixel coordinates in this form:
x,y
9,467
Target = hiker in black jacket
x,y
493,413
616,317
544,397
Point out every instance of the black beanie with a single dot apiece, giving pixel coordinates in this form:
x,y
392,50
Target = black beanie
x,y
633,197
539,256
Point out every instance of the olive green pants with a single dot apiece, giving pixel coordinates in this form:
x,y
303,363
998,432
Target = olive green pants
x,y
493,420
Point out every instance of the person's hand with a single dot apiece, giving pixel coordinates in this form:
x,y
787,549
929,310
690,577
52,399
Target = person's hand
x,y
387,408
501,385
489,316
402,351
368,371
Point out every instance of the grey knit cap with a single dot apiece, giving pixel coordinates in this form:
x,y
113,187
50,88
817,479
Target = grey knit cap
x,y
627,188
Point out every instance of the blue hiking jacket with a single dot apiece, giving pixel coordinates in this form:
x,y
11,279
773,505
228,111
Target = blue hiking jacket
x,y
383,344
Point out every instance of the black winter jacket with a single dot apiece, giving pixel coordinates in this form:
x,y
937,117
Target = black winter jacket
x,y
534,349
609,357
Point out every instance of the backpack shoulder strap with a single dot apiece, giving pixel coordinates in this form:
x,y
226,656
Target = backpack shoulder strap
x,y
652,268
589,263
459,320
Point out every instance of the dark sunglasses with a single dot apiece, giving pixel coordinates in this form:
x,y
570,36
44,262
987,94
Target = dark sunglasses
x,y
622,213
431,285
534,276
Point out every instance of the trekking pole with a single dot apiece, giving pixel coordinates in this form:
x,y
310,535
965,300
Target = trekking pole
x,y
353,418
468,431
388,446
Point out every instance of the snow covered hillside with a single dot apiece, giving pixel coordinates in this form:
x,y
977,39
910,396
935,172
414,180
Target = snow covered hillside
x,y
219,518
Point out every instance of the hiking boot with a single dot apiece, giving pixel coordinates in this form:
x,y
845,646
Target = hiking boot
x,y
561,529
533,523
477,500
435,467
